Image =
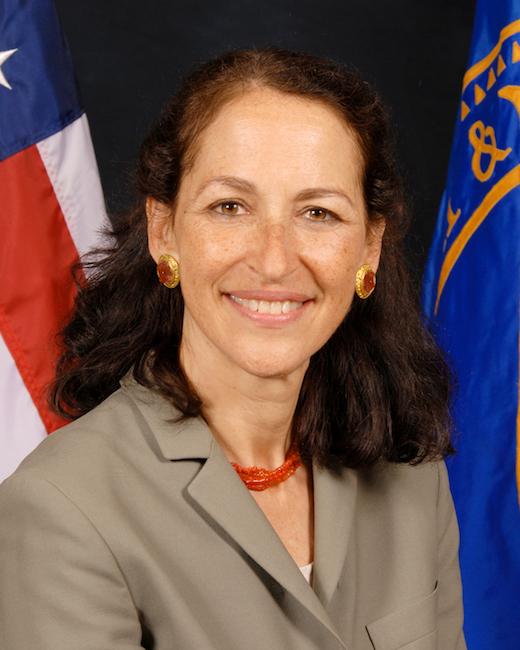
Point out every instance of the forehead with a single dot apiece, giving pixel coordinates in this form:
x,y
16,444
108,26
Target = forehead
x,y
289,138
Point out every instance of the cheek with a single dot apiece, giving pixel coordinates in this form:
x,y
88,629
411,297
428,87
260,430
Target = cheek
x,y
205,256
335,263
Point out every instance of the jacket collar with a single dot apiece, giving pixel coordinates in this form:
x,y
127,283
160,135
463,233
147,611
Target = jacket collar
x,y
188,439
221,495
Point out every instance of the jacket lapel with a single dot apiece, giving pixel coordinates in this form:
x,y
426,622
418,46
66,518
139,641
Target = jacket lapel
x,y
223,497
221,494
334,504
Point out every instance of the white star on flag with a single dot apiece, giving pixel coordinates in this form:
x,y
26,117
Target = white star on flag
x,y
3,58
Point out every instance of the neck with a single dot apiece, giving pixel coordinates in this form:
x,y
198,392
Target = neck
x,y
250,416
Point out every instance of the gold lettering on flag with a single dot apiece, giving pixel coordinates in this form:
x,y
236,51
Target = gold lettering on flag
x,y
485,154
478,136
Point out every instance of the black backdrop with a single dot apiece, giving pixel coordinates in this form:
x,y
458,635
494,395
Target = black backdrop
x,y
130,54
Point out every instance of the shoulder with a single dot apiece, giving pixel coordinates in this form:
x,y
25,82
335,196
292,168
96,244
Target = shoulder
x,y
413,494
402,478
98,434
56,554
97,448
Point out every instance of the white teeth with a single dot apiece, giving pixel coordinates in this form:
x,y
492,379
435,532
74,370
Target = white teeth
x,y
268,307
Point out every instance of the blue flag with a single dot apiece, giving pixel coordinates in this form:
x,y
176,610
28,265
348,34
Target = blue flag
x,y
471,299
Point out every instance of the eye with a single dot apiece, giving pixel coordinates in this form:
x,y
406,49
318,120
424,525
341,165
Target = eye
x,y
320,214
228,208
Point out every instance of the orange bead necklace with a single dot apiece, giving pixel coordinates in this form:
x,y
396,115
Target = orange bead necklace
x,y
259,478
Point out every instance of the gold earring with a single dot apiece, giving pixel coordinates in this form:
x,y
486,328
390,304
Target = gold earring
x,y
365,281
168,271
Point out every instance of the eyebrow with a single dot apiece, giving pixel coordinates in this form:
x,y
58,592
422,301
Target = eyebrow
x,y
246,186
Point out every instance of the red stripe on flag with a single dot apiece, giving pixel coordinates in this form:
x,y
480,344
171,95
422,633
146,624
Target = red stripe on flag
x,y
36,288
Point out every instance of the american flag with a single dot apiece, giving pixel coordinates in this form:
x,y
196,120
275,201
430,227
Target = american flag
x,y
51,212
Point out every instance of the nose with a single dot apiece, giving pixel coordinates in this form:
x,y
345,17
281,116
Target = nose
x,y
273,252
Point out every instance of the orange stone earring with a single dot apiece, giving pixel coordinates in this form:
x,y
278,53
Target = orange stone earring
x,y
168,271
365,281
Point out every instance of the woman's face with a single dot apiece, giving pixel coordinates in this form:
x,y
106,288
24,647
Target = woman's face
x,y
269,230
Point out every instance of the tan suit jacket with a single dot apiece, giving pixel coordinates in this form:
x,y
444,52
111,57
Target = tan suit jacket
x,y
125,531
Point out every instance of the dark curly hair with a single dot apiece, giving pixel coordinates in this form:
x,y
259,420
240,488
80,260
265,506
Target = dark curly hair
x,y
378,389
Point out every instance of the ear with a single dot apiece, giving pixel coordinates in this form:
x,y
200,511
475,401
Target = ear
x,y
375,232
161,236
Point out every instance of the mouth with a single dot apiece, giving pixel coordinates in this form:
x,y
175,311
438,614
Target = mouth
x,y
268,306
269,311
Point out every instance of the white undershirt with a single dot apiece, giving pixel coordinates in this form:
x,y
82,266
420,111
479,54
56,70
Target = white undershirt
x,y
307,570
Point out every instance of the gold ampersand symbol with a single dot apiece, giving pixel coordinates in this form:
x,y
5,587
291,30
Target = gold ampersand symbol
x,y
482,139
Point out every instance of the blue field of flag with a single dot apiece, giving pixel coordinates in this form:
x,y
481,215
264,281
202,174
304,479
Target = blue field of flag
x,y
39,96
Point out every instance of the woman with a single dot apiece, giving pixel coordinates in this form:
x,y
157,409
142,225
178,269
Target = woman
x,y
255,459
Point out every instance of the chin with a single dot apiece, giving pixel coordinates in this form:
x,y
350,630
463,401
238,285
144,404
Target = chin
x,y
273,366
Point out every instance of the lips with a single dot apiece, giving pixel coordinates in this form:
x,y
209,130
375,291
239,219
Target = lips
x,y
272,313
269,296
268,306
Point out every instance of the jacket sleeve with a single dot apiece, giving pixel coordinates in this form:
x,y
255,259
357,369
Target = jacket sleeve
x,y
61,587
450,610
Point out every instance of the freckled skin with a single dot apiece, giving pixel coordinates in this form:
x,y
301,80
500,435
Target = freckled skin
x,y
282,144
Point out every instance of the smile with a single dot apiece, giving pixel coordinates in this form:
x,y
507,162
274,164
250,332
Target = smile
x,y
266,306
269,313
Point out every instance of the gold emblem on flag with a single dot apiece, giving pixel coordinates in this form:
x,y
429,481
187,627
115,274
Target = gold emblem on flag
x,y
489,153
